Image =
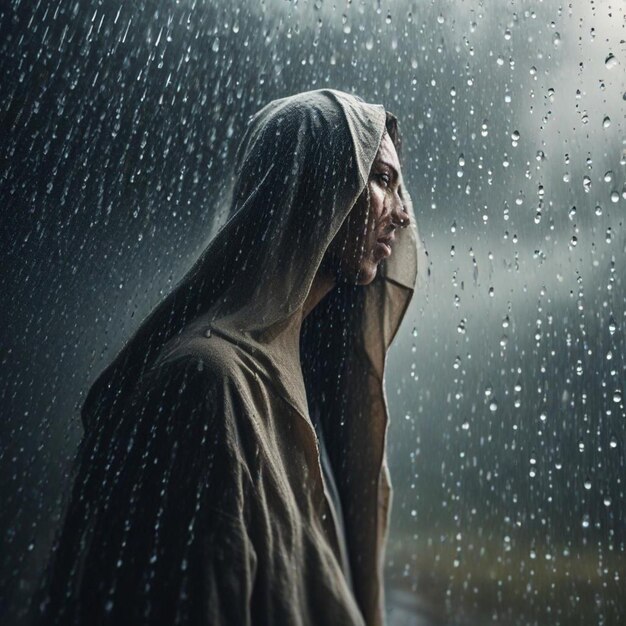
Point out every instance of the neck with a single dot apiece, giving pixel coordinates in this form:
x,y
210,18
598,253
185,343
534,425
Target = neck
x,y
322,284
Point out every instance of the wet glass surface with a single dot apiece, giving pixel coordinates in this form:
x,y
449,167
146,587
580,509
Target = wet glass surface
x,y
506,382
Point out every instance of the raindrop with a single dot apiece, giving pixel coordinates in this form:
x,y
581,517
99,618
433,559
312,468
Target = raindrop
x,y
608,176
606,122
610,62
607,500
587,484
617,396
612,325
613,442
493,406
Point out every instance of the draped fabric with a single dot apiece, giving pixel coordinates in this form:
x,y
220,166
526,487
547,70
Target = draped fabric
x,y
198,494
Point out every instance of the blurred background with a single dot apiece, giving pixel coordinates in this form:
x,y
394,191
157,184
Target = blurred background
x,y
119,122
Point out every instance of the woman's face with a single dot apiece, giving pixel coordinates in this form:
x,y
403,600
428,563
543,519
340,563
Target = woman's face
x,y
367,235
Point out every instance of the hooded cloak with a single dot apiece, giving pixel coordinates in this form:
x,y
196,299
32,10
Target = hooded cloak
x,y
198,494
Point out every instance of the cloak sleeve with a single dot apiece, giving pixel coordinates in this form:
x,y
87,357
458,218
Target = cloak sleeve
x,y
156,529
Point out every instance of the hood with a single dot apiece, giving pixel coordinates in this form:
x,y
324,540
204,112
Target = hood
x,y
301,164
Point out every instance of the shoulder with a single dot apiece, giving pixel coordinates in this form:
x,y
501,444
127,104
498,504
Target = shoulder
x,y
199,367
212,355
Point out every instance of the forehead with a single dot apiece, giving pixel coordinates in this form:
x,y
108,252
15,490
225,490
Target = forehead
x,y
387,152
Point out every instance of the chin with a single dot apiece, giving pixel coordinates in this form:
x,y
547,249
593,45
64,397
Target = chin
x,y
366,274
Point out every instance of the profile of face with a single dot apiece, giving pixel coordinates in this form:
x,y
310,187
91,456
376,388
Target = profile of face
x,y
367,235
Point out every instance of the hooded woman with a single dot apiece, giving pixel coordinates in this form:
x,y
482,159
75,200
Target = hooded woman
x,y
233,470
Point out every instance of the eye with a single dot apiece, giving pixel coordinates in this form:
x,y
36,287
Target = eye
x,y
385,178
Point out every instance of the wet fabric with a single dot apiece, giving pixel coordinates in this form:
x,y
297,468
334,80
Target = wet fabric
x,y
198,495
328,474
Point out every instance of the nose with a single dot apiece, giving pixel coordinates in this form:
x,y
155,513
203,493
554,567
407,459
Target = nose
x,y
399,214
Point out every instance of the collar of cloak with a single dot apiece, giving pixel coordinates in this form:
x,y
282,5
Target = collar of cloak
x,y
302,163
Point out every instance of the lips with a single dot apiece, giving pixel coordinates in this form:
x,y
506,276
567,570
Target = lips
x,y
383,246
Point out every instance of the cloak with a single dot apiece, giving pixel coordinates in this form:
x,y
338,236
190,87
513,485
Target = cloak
x,y
198,495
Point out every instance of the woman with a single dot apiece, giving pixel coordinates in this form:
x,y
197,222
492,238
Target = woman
x,y
233,470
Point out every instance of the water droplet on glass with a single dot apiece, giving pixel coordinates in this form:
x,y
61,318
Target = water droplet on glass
x,y
610,62
606,122
587,484
612,325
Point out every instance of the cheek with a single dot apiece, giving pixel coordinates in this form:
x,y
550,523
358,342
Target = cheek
x,y
377,204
